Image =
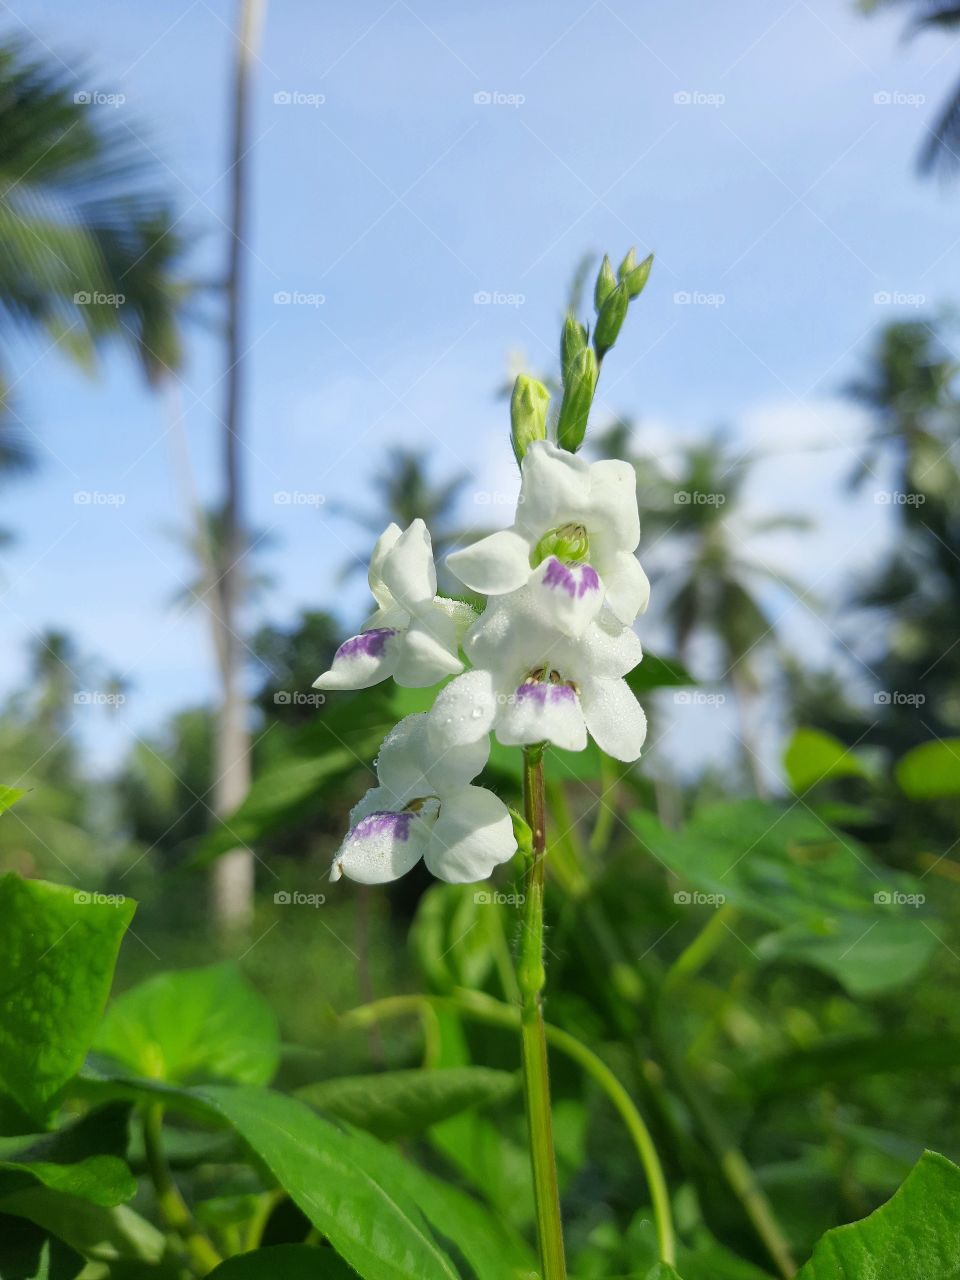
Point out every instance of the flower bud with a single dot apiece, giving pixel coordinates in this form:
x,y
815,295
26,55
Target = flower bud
x,y
570,544
610,320
628,264
637,277
606,283
580,382
572,344
528,414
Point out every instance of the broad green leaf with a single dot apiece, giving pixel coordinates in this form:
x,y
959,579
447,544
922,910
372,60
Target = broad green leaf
x,y
193,1025
397,1104
103,1180
285,1262
347,1184
914,1236
931,770
9,796
813,756
58,948
104,1235
829,904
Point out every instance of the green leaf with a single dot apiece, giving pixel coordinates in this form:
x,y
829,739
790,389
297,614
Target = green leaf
x,y
9,796
812,756
347,1184
192,1025
658,673
850,1058
58,949
398,1104
98,1233
285,1262
103,1180
914,1236
30,1254
828,903
931,770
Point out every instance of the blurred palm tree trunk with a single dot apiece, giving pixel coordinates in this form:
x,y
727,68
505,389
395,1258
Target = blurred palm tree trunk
x,y
233,873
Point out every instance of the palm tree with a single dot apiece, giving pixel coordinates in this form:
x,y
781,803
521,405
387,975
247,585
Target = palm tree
x,y
87,241
941,150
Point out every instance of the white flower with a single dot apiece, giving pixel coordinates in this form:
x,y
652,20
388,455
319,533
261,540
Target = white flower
x,y
533,684
425,808
576,529
414,634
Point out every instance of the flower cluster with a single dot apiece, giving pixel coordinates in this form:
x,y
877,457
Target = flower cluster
x,y
548,654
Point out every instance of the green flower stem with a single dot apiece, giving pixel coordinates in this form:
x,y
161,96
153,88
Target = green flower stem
x,y
531,979
173,1208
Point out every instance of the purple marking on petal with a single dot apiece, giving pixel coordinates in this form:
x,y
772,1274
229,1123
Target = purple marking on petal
x,y
562,576
384,824
370,644
589,579
541,692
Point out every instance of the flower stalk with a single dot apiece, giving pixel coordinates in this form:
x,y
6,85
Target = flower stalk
x,y
531,979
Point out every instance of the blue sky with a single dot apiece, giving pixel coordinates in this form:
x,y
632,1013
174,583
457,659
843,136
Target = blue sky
x,y
764,151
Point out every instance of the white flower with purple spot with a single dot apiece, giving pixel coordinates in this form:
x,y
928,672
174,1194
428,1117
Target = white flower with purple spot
x,y
414,634
573,541
425,807
534,684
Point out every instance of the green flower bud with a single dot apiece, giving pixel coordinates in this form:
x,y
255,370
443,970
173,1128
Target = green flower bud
x,y
628,264
637,277
528,414
572,343
610,320
579,386
570,544
606,283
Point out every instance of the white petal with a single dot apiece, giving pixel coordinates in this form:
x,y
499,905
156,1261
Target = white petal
x,y
511,636
614,717
385,544
555,489
613,503
496,564
423,660
473,835
463,712
401,763
542,712
408,569
362,660
608,649
627,586
385,845
569,596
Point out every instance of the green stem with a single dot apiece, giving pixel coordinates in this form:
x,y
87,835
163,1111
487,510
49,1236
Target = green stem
x,y
171,1204
531,979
